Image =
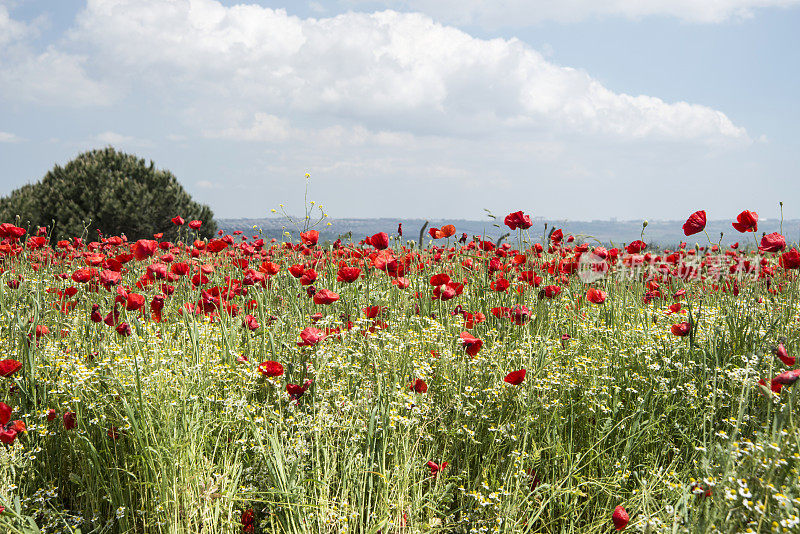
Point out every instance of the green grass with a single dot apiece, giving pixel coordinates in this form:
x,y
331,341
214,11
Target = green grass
x,y
624,413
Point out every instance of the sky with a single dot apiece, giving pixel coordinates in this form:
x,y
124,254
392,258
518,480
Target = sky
x,y
578,109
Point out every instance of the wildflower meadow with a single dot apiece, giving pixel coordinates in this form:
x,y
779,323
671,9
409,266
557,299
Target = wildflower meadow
x,y
399,384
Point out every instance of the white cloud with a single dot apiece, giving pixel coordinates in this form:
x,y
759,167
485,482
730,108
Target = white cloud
x,y
264,127
114,138
49,77
519,13
6,137
380,72
10,29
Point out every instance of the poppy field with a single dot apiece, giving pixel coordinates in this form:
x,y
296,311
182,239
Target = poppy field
x,y
449,383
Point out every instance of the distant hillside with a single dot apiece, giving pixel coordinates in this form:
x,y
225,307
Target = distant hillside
x,y
608,232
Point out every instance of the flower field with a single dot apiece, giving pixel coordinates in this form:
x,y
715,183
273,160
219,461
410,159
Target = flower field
x,y
395,385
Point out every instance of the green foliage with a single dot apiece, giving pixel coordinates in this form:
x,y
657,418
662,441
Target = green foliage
x,y
106,190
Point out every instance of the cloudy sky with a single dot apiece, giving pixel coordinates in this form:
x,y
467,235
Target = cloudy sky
x,y
418,108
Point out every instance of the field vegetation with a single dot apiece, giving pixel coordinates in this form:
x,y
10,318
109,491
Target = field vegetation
x,y
241,384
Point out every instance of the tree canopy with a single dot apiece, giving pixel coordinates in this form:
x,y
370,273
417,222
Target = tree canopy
x,y
109,191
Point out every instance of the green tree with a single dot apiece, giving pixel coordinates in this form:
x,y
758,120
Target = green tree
x,y
109,191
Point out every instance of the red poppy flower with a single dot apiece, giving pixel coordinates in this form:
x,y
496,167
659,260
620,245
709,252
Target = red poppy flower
x,y
348,274
557,236
8,367
144,248
696,223
443,293
402,283
531,278
250,322
773,242
471,343
178,221
69,420
470,319
551,292
373,311
109,278
134,302
179,269
82,276
309,277
448,230
195,225
156,306
40,330
790,260
499,285
270,368
5,413
786,378
113,317
439,279
216,245
19,426
436,468
445,231
297,270
7,436
124,329
747,221
296,391
636,247
674,308
309,238
380,240
157,270
310,336
681,329
520,314
501,312
269,268
9,230
518,220
419,386
515,378
782,354
325,296
596,296
620,518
